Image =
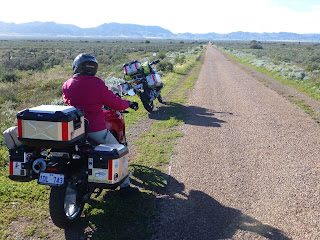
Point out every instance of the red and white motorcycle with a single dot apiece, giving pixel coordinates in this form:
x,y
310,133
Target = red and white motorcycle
x,y
144,80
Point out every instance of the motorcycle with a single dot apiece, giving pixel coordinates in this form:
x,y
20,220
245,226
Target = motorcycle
x,y
56,152
144,80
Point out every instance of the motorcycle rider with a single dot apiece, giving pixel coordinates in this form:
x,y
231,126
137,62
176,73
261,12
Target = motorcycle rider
x,y
89,93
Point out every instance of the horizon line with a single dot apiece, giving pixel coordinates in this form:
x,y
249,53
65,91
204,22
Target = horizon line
x,y
159,27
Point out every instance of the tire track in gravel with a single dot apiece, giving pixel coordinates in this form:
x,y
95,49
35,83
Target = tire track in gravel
x,y
247,166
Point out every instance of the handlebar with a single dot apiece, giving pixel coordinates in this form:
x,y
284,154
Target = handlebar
x,y
155,62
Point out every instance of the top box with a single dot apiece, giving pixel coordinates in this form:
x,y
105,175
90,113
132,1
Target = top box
x,y
51,126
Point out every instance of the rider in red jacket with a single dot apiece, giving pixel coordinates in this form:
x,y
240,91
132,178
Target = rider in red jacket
x,y
89,93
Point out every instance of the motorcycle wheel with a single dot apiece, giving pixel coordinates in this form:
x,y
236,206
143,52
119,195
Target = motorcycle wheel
x,y
147,104
160,98
66,205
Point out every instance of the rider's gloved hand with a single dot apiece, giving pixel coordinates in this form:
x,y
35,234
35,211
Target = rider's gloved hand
x,y
133,105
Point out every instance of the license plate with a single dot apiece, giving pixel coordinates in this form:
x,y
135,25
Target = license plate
x,y
138,86
51,179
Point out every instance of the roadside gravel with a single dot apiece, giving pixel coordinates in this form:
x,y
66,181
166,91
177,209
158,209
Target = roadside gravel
x,y
247,166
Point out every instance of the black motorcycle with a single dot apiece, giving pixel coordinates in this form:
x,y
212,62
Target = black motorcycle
x,y
55,150
144,80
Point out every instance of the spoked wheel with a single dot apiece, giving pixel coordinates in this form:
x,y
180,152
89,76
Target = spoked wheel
x,y
66,205
147,104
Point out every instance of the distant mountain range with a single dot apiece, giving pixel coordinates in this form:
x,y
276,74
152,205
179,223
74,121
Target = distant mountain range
x,y
117,30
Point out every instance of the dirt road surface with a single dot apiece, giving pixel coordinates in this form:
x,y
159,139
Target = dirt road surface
x,y
248,166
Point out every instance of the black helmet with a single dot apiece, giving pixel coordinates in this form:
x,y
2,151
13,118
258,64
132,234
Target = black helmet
x,y
85,64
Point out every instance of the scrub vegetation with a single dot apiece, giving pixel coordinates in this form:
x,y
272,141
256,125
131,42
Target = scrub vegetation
x,y
296,64
32,73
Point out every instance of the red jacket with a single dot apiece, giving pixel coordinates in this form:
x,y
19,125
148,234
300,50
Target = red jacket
x,y
90,94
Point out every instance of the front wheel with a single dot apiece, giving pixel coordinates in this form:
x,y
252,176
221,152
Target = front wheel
x,y
66,205
147,104
160,98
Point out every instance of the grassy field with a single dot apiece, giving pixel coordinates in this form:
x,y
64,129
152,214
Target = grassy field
x,y
24,206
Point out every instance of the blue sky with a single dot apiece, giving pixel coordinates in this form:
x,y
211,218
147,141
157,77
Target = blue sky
x,y
178,16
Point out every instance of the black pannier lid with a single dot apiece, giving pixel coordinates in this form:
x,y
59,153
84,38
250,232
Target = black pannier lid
x,y
111,151
129,63
52,113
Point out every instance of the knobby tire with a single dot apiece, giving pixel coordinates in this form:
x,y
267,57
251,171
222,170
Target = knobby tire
x,y
147,104
57,208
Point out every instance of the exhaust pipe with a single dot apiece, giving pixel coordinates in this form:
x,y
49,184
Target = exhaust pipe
x,y
39,165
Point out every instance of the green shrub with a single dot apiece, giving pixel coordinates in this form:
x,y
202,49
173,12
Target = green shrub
x,y
165,66
52,61
9,77
255,45
315,58
10,95
315,77
179,59
161,54
312,66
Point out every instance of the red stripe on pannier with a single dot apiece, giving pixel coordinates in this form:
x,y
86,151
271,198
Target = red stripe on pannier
x,y
19,128
125,69
11,168
52,169
135,64
65,131
110,170
154,79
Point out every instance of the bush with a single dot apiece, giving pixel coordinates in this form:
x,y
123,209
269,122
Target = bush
x,y
25,64
255,45
162,55
315,58
112,82
9,77
52,61
312,66
180,59
165,66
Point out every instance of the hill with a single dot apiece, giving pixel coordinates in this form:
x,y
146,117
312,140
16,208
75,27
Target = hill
x,y
116,30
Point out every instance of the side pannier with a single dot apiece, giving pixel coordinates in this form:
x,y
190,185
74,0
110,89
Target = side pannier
x,y
131,67
153,80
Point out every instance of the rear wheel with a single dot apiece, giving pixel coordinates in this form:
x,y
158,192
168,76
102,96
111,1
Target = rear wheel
x,y
66,205
147,104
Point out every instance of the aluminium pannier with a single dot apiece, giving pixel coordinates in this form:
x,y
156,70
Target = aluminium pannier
x,y
123,88
107,164
51,126
153,80
131,67
20,164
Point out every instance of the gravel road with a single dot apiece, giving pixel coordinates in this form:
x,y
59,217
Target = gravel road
x,y
247,166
